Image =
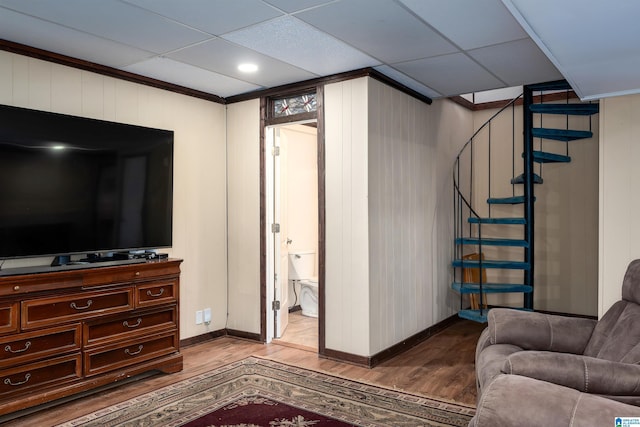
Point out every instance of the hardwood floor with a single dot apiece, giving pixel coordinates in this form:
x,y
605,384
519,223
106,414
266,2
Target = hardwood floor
x,y
440,367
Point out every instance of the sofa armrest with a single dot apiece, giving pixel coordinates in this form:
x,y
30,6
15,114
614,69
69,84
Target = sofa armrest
x,y
539,331
512,400
582,373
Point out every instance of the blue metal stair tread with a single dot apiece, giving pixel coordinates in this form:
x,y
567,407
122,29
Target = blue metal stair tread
x,y
565,109
545,157
506,221
488,241
491,288
554,85
561,134
515,200
537,179
509,265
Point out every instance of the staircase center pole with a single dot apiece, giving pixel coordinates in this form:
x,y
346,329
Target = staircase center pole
x,y
528,193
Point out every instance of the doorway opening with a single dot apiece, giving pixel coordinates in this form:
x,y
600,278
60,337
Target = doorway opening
x,y
292,261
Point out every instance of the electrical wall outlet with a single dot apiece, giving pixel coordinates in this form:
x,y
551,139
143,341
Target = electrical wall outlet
x,y
207,315
199,317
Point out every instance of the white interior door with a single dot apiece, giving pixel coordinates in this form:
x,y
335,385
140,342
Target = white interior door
x,y
277,253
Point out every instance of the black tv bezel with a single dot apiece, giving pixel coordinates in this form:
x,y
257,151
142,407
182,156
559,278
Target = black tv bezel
x,y
103,256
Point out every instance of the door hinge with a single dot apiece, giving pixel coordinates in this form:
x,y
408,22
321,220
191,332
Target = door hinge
x,y
275,150
275,305
275,228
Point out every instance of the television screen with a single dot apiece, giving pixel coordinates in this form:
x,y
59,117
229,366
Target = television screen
x,y
72,185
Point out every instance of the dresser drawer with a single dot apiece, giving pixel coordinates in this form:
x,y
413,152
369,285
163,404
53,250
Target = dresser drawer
x,y
67,308
27,378
156,293
119,355
101,331
30,346
132,273
9,315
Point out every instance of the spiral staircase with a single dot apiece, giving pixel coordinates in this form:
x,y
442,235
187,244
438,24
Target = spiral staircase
x,y
477,226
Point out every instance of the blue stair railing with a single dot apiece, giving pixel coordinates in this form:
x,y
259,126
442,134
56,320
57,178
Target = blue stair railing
x,y
481,225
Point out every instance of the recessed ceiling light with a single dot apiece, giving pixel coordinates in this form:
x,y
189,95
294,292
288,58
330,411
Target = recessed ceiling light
x,y
248,68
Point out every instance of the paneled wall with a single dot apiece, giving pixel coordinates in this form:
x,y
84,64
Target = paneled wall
x,y
619,204
347,289
389,214
243,186
200,168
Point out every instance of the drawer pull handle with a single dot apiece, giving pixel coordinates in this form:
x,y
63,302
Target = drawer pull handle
x,y
73,305
133,353
127,325
159,294
26,347
7,381
137,273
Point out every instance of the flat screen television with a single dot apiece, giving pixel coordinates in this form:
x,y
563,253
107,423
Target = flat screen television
x,y
72,185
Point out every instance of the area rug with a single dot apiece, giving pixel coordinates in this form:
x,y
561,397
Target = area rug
x,y
260,392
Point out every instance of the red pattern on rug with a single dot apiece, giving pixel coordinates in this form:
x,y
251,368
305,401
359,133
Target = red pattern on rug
x,y
257,411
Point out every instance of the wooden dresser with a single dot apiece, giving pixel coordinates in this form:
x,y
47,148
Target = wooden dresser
x,y
70,331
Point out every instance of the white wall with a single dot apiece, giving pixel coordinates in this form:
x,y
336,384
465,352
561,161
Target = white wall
x,y
347,327
199,167
619,204
243,187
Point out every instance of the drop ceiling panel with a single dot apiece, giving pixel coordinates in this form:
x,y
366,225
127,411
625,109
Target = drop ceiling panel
x,y
296,5
450,74
517,62
401,78
223,57
189,76
469,24
215,17
30,31
591,43
112,20
291,40
381,28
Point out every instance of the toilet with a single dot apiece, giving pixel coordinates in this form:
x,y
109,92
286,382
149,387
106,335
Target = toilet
x,y
301,269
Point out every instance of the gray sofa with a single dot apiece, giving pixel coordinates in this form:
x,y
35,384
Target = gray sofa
x,y
573,359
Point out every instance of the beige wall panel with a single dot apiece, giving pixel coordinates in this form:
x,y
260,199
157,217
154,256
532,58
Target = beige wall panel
x,y
6,77
199,165
66,89
347,246
93,95
619,205
243,189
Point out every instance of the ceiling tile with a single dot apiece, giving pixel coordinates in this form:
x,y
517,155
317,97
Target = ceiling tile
x,y
407,81
469,24
517,62
380,28
30,31
223,57
591,42
450,74
291,40
213,16
189,76
113,20
296,5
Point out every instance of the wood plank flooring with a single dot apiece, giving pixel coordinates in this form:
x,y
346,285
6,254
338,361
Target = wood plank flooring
x,y
441,367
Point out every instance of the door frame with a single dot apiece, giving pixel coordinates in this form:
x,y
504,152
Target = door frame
x,y
265,121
